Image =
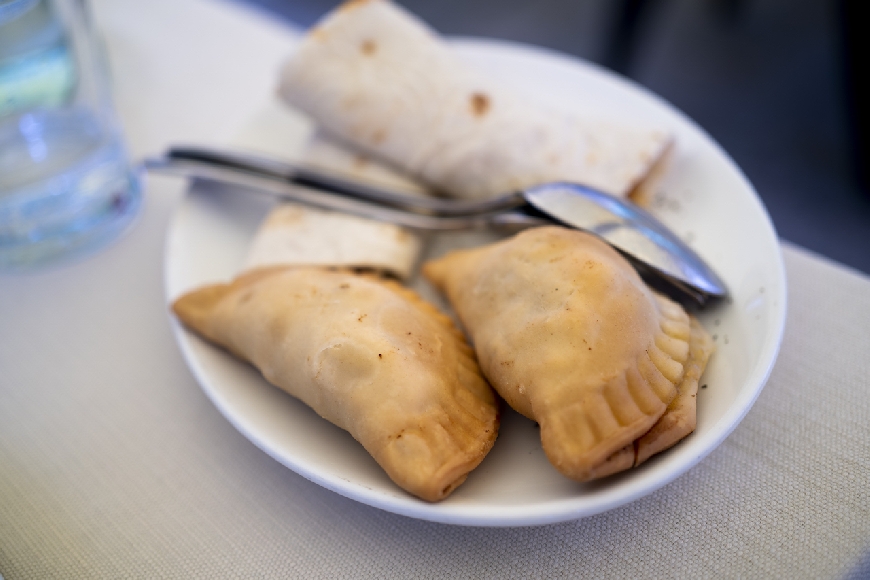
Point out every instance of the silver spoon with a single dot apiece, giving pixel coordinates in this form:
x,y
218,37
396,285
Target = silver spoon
x,y
662,259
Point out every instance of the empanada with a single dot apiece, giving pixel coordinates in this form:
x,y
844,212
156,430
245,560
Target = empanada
x,y
366,354
571,337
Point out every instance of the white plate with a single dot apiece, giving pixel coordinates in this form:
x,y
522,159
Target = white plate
x,y
705,199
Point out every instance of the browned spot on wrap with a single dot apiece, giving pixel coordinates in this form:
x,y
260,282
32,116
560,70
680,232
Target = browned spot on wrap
x,y
368,47
479,104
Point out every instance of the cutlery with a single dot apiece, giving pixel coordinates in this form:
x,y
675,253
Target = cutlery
x,y
664,261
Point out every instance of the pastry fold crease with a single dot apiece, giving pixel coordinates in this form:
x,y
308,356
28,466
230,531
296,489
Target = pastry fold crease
x,y
368,355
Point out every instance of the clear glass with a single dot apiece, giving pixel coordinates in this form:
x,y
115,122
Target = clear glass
x,y
66,184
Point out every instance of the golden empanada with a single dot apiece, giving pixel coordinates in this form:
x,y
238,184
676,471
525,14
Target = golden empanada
x,y
366,354
571,337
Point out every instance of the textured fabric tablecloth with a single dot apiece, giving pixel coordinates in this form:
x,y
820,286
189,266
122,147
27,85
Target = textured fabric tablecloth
x,y
114,464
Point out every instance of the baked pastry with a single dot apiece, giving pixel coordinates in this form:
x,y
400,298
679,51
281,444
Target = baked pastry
x,y
367,355
377,77
571,337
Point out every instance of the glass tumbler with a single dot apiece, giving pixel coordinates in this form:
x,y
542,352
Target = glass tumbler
x,y
66,184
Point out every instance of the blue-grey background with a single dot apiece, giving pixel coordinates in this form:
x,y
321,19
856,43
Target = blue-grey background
x,y
768,79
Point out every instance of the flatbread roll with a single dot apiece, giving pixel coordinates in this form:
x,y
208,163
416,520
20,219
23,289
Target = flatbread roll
x,y
379,78
367,355
570,336
296,235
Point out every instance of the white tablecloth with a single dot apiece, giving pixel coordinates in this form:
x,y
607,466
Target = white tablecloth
x,y
114,464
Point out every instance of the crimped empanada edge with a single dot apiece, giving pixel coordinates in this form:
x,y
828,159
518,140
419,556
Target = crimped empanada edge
x,y
645,387
679,419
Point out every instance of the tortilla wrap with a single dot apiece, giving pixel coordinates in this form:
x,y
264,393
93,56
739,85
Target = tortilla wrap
x,y
379,78
294,234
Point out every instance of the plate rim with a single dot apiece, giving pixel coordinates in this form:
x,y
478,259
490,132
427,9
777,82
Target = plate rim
x,y
513,516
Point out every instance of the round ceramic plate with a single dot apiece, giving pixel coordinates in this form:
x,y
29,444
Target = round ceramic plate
x,y
705,199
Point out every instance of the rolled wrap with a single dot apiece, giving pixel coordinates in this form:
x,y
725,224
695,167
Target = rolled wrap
x,y
293,234
379,78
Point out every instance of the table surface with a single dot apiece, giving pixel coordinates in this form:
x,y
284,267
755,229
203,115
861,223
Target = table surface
x,y
113,463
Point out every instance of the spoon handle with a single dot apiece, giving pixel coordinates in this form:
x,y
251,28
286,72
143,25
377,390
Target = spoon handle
x,y
664,261
310,176
246,181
